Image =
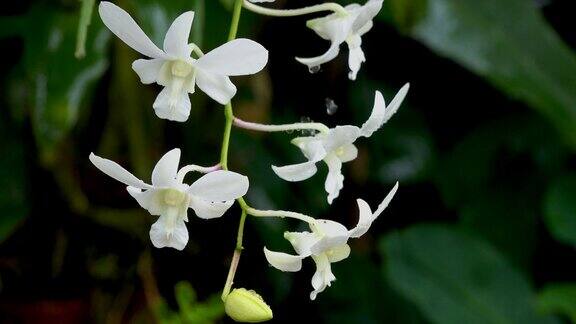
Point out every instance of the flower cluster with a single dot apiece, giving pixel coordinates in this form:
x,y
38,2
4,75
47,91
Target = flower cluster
x,y
181,66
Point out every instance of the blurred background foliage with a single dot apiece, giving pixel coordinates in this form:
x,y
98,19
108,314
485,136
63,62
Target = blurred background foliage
x,y
483,228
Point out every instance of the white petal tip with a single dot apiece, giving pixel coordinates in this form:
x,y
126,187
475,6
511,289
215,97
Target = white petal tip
x,y
283,261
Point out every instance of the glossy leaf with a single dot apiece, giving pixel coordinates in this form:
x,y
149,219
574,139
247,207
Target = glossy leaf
x,y
526,60
455,278
60,85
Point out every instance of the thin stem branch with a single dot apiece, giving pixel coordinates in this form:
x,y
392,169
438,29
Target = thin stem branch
x,y
240,236
195,168
194,48
280,128
329,6
231,273
279,213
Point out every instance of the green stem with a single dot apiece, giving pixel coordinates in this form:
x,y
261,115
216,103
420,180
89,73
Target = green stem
x,y
229,116
280,128
240,236
329,6
235,20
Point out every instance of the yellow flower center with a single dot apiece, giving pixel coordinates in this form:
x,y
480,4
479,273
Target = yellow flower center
x,y
181,69
173,197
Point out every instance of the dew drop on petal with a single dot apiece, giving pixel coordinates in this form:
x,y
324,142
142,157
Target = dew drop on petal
x,y
314,69
331,106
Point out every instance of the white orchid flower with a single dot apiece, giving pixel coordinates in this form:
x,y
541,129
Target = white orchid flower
x,y
339,28
327,243
176,70
337,146
168,197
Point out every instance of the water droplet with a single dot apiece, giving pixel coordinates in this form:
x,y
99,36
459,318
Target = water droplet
x,y
314,69
331,106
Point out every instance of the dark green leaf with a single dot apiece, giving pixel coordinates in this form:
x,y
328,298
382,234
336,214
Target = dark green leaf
x,y
560,209
526,60
59,85
560,299
500,213
455,278
365,298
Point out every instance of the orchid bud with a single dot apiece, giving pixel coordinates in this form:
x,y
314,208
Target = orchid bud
x,y
247,306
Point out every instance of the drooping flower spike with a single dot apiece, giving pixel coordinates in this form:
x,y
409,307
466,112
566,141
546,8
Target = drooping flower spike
x,y
176,70
327,243
169,198
336,146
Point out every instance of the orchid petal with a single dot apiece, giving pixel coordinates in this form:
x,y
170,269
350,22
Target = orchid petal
x,y
169,231
147,199
164,173
176,40
175,107
122,25
366,217
380,113
366,14
237,57
376,118
332,27
386,201
347,153
333,234
302,241
115,171
315,62
296,172
330,228
355,59
392,108
338,253
283,261
220,186
311,146
323,276
217,87
334,180
148,70
340,136
209,209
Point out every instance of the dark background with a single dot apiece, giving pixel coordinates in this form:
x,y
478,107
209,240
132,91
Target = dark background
x,y
482,229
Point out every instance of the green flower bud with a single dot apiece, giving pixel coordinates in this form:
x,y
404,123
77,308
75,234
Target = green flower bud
x,y
247,306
